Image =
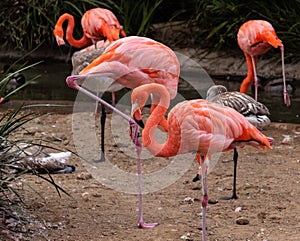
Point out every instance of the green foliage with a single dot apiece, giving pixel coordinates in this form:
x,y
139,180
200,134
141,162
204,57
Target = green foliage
x,y
27,24
137,16
216,22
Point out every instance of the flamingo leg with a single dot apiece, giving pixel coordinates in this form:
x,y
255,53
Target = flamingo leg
x,y
235,159
286,96
102,122
255,76
138,146
204,197
113,98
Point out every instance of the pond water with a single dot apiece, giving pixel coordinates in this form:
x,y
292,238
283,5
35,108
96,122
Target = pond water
x,y
52,86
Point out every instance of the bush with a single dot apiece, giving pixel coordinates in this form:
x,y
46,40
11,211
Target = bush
x,y
27,24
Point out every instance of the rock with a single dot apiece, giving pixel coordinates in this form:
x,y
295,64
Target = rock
x,y
242,221
84,176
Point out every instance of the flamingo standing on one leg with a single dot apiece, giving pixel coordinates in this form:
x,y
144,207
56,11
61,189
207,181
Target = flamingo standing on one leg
x,y
194,126
97,24
131,62
256,37
255,112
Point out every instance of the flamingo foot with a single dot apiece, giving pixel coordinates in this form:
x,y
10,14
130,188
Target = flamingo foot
x,y
101,159
287,99
234,196
142,224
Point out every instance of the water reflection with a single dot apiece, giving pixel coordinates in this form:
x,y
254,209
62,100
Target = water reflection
x,y
52,86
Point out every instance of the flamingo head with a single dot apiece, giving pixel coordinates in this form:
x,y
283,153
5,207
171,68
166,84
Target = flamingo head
x,y
271,38
136,114
59,35
60,41
115,31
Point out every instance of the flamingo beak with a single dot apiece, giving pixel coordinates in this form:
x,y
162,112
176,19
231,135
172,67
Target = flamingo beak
x,y
60,41
272,39
136,114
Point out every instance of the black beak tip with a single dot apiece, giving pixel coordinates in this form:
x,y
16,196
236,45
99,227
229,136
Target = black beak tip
x,y
140,123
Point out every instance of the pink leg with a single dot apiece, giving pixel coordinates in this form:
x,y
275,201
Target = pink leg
x,y
113,98
286,97
255,78
138,145
204,198
97,104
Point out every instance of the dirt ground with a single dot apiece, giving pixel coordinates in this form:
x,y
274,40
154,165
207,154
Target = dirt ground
x,y
267,186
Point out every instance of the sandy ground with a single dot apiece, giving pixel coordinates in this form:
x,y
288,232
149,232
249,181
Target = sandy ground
x,y
267,187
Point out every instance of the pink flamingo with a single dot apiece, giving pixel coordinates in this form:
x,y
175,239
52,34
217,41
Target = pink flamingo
x,y
194,126
97,24
256,37
130,62
255,112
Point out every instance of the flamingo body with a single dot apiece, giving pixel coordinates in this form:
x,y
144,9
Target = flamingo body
x,y
256,37
97,24
134,61
195,125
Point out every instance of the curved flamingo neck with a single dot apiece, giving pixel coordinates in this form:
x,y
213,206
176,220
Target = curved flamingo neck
x,y
172,144
163,124
58,31
247,82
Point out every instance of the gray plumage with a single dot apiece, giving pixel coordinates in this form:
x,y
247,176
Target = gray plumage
x,y
83,58
255,112
30,158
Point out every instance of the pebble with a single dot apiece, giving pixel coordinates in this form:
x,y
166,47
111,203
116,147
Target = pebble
x,y
238,209
242,221
189,199
212,201
84,176
287,140
85,196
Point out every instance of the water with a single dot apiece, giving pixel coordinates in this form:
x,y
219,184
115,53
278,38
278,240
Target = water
x,y
52,86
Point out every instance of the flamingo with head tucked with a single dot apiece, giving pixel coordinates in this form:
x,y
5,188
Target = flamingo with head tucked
x,y
194,126
256,37
97,24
